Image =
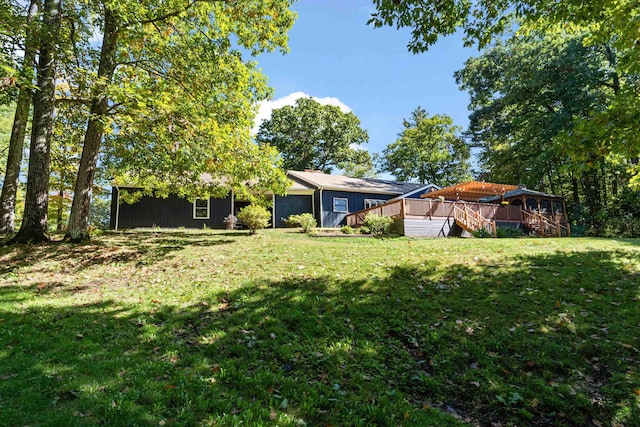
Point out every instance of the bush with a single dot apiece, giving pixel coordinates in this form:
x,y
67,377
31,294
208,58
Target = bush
x,y
348,230
482,233
306,221
377,225
623,227
254,217
508,232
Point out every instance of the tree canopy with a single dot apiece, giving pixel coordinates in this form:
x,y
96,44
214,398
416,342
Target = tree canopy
x,y
429,150
143,85
537,102
309,135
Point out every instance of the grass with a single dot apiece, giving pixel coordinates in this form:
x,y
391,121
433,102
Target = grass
x,y
221,328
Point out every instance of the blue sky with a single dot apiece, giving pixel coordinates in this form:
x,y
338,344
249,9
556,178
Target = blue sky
x,y
336,57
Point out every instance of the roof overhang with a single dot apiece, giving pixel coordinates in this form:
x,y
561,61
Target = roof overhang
x,y
471,191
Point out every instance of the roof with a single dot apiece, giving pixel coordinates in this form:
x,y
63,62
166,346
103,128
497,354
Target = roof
x,y
422,189
471,191
299,187
324,181
519,192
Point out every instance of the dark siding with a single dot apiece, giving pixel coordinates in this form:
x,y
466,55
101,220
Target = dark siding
x,y
112,217
170,212
356,203
318,208
292,205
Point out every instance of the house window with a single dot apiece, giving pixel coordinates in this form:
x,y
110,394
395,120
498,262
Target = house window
x,y
369,203
201,209
340,205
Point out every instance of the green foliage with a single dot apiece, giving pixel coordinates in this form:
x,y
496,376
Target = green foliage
x,y
377,225
481,233
314,136
483,22
537,104
348,230
508,232
428,150
619,227
198,142
306,221
606,34
6,121
254,217
100,212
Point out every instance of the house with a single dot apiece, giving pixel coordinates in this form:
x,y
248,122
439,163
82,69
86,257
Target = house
x,y
330,198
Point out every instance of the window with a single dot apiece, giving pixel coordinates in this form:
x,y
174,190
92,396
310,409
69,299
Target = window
x,y
369,203
340,205
545,206
201,209
557,207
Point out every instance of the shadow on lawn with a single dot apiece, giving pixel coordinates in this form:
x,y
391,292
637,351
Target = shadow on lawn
x,y
549,342
120,248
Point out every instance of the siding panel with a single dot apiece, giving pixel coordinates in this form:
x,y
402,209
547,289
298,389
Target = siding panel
x,y
292,205
427,227
170,212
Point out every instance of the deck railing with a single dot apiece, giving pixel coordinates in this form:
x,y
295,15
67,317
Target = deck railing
x,y
485,213
392,209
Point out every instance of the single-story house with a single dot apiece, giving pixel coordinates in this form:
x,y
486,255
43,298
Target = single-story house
x,y
330,198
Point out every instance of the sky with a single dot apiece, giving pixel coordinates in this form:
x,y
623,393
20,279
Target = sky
x,y
338,59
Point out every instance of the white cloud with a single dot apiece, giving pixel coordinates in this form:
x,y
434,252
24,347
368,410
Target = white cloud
x,y
266,107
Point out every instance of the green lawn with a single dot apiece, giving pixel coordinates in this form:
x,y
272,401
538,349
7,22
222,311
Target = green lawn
x,y
222,328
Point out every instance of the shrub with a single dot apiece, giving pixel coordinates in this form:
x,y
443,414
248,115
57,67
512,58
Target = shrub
x,y
481,233
377,225
508,232
348,230
306,221
254,217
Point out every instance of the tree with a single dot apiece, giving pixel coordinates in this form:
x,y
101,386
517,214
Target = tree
x,y
483,21
530,98
314,136
612,23
166,52
21,117
428,150
34,220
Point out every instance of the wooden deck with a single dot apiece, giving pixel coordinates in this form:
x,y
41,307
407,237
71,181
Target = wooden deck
x,y
426,217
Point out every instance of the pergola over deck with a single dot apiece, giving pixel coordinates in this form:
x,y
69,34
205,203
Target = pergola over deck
x,y
472,191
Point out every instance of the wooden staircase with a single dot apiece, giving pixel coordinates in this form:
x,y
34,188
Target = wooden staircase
x,y
470,220
542,226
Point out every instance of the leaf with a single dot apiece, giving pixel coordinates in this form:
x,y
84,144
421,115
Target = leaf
x,y
272,415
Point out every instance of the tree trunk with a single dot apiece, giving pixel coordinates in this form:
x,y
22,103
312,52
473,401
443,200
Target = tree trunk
x,y
18,131
576,198
60,205
34,221
78,229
